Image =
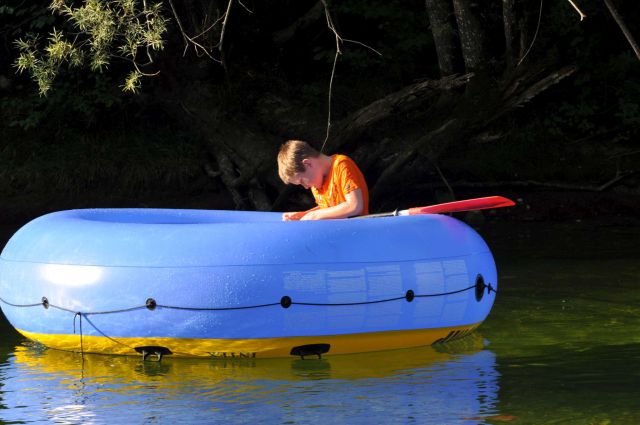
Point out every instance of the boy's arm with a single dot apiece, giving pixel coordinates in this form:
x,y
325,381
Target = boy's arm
x,y
353,205
293,216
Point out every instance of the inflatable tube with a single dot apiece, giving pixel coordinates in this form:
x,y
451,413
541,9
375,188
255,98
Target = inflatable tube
x,y
243,284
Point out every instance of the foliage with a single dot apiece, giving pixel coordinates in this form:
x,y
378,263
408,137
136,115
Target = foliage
x,y
568,133
101,31
34,15
76,103
130,164
602,100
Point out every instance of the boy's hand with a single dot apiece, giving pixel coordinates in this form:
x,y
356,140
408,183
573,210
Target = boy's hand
x,y
309,216
292,216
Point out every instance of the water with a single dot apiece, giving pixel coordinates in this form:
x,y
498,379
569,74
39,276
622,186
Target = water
x,y
561,346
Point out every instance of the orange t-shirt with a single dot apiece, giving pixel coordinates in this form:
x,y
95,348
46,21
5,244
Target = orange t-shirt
x,y
344,177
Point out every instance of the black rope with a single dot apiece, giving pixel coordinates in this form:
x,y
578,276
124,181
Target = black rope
x,y
354,303
446,293
124,310
107,336
78,314
286,302
172,307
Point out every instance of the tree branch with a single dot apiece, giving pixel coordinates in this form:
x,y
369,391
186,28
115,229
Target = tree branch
x,y
513,100
406,99
339,41
623,27
535,35
191,40
312,15
222,32
582,15
536,183
333,68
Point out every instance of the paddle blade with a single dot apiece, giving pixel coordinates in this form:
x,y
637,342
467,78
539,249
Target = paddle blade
x,y
466,205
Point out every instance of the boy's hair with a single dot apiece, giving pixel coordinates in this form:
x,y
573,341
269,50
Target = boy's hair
x,y
290,157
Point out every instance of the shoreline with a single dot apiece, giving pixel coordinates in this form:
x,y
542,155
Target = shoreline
x,y
532,206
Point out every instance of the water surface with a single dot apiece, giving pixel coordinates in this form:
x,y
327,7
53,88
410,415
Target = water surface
x,y
561,346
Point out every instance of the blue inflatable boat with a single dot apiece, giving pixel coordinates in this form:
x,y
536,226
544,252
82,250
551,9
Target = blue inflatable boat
x,y
243,284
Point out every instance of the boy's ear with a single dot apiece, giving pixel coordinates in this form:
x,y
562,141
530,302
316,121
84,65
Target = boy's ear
x,y
307,162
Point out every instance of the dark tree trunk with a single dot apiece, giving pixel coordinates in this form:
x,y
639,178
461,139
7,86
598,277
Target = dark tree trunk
x,y
445,36
445,114
527,21
509,19
240,155
472,35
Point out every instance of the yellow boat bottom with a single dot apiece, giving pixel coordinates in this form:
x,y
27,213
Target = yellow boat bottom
x,y
252,348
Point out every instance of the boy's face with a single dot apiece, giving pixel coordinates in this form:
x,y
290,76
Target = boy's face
x,y
310,177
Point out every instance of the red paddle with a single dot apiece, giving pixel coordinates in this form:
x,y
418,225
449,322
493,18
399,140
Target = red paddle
x,y
450,207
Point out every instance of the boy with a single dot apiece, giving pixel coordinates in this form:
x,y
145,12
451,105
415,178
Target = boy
x,y
336,182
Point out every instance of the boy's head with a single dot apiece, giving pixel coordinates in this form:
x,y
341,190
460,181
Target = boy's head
x,y
298,164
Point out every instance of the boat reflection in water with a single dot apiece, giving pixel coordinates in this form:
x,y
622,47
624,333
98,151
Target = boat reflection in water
x,y
450,384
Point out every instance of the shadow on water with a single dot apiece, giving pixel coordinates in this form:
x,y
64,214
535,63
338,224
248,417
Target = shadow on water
x,y
593,386
9,337
566,324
